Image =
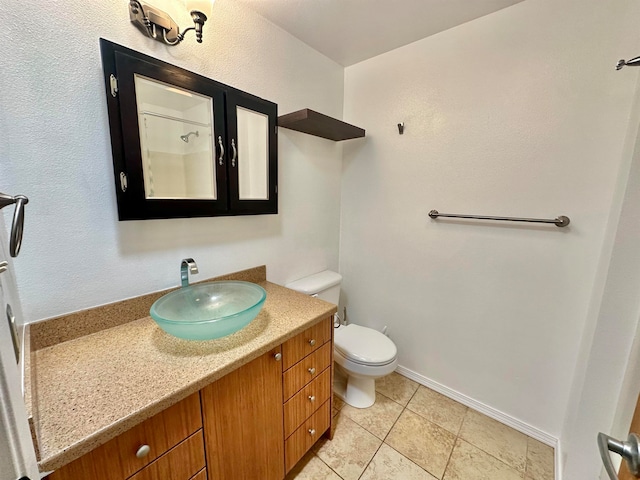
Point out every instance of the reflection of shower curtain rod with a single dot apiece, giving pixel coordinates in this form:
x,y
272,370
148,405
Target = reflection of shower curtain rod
x,y
175,119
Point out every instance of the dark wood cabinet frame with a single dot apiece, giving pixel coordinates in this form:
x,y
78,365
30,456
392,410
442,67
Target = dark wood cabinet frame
x,y
125,139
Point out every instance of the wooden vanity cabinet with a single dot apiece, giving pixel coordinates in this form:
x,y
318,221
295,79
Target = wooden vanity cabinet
x,y
254,423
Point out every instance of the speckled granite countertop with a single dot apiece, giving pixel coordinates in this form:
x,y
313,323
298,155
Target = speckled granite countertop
x,y
87,390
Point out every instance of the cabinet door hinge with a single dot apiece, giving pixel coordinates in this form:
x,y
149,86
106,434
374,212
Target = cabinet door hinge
x,y
113,82
276,188
123,182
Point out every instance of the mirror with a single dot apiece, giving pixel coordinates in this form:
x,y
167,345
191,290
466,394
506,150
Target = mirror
x,y
176,141
253,154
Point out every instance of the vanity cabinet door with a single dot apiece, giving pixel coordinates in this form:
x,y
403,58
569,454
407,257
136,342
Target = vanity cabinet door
x,y
172,139
253,152
243,422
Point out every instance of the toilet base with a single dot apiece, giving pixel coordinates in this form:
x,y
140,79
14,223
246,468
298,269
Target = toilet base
x,y
359,392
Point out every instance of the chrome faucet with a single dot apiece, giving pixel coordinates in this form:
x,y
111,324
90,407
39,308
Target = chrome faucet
x,y
187,266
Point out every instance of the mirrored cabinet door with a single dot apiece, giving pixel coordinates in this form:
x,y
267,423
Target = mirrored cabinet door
x,y
253,170
172,133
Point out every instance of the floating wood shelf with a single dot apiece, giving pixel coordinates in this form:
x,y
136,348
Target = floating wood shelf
x,y
314,123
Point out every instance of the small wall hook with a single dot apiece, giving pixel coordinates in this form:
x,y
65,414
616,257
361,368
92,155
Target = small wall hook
x,y
401,128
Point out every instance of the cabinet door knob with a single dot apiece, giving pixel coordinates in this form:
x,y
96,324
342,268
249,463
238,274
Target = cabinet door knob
x,y
277,356
312,431
312,370
312,342
143,451
312,398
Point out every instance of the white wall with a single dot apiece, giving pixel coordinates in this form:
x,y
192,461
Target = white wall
x,y
518,113
54,147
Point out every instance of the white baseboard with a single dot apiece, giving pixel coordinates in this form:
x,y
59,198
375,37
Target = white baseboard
x,y
488,411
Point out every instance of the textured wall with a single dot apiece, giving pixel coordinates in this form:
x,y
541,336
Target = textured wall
x,y
518,113
54,147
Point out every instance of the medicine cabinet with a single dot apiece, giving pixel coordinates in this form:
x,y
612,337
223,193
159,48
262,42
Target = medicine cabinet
x,y
184,145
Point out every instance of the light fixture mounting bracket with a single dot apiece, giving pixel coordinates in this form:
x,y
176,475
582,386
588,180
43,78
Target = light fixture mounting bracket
x,y
158,25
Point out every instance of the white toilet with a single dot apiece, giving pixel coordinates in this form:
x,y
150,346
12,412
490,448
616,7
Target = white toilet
x,y
361,354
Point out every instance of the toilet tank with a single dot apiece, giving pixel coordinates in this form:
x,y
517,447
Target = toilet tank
x,y
324,285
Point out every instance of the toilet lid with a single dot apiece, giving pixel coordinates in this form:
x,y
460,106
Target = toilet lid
x,y
364,345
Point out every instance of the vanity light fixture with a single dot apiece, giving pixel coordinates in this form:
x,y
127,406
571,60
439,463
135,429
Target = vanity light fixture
x,y
158,25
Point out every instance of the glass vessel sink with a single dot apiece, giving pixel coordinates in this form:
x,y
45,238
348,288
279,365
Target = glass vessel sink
x,y
208,310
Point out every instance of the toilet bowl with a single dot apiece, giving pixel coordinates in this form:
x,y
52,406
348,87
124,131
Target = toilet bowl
x,y
361,354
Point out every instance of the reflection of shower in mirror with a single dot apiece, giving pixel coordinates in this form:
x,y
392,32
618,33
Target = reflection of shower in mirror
x,y
185,138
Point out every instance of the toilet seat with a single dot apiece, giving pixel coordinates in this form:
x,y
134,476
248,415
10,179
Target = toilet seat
x,y
364,346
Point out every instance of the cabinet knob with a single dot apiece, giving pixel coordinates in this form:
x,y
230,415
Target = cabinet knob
x,y
312,370
312,342
277,357
143,451
312,398
312,431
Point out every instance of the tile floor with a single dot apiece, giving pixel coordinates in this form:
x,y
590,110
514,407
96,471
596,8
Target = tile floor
x,y
414,433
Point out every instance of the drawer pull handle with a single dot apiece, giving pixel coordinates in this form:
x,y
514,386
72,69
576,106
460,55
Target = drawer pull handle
x,y
312,342
143,451
312,370
312,431
277,356
312,398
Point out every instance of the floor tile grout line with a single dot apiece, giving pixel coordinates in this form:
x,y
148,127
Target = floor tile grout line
x,y
369,462
491,454
455,443
494,457
396,401
388,397
404,408
369,431
389,432
404,456
385,437
328,466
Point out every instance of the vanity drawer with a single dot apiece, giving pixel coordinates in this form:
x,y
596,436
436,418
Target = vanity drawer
x,y
117,458
298,347
305,436
306,370
180,463
306,401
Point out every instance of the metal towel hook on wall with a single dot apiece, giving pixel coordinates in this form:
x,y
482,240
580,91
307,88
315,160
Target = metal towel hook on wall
x,y
15,240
